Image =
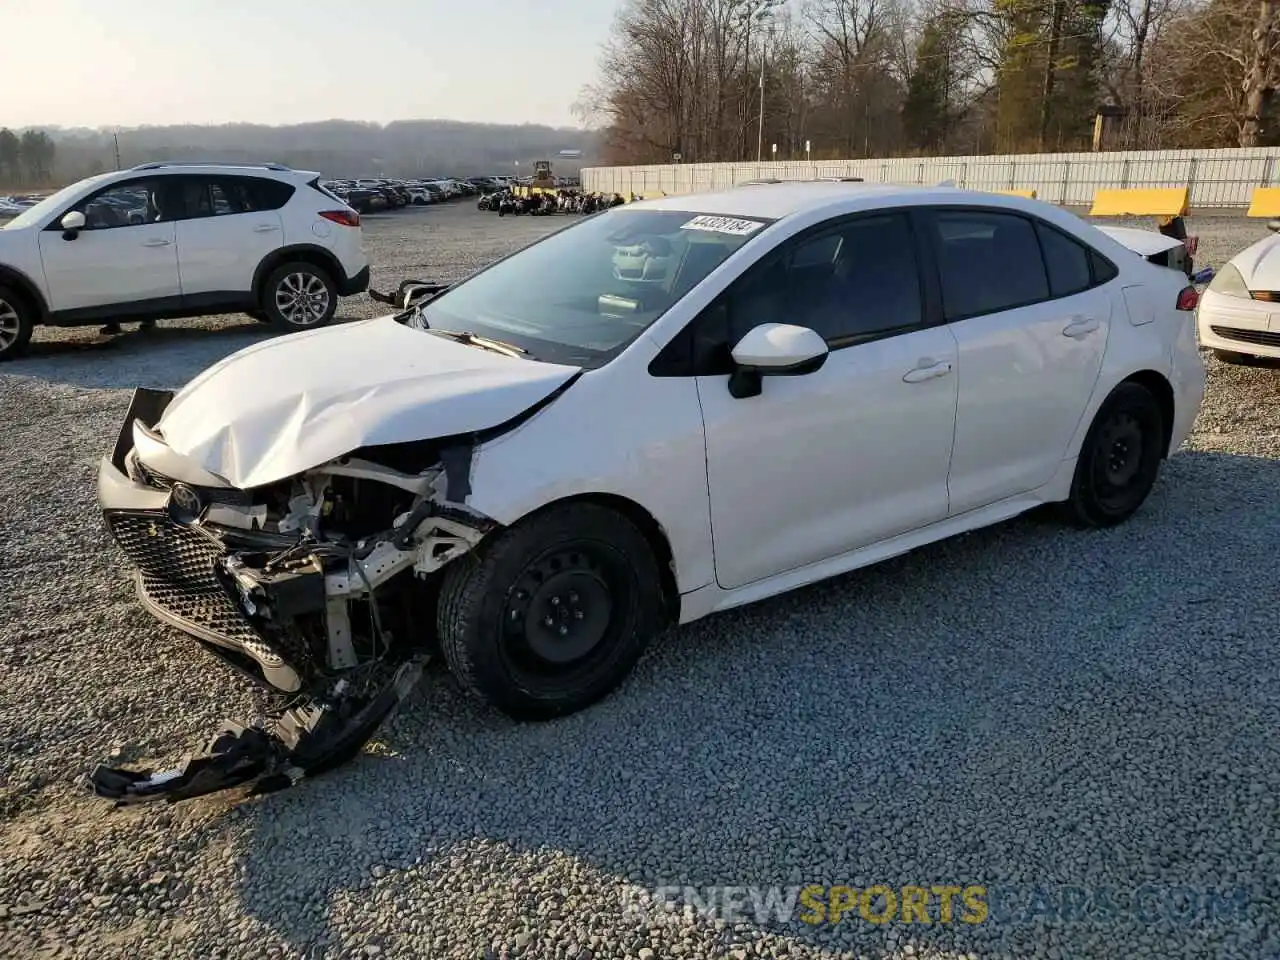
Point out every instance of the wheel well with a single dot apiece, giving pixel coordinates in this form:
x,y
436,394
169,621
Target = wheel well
x,y
20,285
316,256
1159,388
653,534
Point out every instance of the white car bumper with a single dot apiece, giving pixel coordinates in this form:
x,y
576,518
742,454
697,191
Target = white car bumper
x,y
1239,325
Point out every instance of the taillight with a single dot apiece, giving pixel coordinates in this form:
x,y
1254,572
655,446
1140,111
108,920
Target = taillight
x,y
1188,298
348,218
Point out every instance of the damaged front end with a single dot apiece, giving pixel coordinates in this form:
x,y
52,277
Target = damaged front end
x,y
318,587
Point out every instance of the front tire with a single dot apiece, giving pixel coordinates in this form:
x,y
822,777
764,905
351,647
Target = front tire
x,y
16,324
1119,459
299,296
553,614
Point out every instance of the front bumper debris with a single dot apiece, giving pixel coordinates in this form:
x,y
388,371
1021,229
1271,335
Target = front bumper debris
x,y
302,741
299,605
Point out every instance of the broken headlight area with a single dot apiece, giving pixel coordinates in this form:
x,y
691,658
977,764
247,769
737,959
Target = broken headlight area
x,y
318,588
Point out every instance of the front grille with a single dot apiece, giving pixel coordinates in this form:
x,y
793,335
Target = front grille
x,y
176,566
1263,338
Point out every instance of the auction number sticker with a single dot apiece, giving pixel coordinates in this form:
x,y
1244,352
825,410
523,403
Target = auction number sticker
x,y
730,225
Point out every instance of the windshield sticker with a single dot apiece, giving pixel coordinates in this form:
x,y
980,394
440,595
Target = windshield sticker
x,y
730,225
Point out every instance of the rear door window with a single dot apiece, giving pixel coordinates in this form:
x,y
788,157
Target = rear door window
x,y
987,262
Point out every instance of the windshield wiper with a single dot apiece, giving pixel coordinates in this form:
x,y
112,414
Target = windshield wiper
x,y
487,343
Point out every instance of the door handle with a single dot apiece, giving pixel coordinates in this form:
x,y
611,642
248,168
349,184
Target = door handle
x,y
156,242
1080,327
927,370
265,228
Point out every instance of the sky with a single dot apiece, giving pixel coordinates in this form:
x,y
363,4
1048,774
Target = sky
x,y
134,62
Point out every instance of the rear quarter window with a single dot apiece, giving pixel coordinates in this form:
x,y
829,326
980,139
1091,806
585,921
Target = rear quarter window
x,y
263,194
1066,260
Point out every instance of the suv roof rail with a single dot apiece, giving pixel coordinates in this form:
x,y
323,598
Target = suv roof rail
x,y
157,164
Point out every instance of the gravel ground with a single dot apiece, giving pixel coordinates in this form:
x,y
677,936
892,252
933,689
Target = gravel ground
x,y
1020,707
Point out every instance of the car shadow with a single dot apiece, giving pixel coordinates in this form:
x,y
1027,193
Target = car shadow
x,y
907,702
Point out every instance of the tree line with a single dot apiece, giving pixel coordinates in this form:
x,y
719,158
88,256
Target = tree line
x,y
335,148
876,78
26,159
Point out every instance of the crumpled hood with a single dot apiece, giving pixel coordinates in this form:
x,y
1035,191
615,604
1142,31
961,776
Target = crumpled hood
x,y
294,402
1259,264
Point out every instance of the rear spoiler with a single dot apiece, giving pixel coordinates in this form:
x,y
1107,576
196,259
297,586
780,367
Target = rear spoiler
x,y
1161,249
1148,243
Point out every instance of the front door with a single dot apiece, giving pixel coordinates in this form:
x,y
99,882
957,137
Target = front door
x,y
821,464
126,254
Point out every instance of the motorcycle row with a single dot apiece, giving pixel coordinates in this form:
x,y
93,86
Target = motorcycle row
x,y
506,202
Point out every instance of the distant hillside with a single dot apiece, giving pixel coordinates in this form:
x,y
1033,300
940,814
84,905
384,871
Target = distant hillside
x,y
336,148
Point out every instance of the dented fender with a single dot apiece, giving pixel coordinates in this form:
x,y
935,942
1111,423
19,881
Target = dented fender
x,y
584,446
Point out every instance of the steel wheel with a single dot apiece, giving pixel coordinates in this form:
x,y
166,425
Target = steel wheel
x,y
1119,460
302,299
1119,457
549,615
560,609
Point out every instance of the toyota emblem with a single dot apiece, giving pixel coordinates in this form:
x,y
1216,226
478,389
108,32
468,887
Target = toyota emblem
x,y
185,504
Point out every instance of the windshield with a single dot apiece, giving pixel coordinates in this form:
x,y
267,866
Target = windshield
x,y
583,294
49,204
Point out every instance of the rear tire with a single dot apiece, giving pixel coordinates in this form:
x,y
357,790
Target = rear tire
x,y
550,616
1232,357
1119,459
16,324
299,296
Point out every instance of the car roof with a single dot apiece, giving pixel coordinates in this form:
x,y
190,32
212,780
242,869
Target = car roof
x,y
773,201
212,169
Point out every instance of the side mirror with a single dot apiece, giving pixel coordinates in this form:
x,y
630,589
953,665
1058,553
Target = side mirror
x,y
72,224
774,349
1274,226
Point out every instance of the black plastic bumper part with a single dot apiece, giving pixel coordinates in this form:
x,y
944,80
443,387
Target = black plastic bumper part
x,y
304,741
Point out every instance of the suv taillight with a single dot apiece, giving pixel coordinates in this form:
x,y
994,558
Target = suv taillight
x,y
348,218
1188,298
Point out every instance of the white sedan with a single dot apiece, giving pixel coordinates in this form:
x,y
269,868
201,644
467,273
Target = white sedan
x,y
668,409
1239,313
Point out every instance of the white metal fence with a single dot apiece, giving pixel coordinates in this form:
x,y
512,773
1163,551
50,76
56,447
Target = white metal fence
x,y
1217,178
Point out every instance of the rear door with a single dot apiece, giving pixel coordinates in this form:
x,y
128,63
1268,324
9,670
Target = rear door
x,y
1031,326
232,223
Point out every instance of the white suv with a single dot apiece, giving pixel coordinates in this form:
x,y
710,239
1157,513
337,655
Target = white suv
x,y
169,240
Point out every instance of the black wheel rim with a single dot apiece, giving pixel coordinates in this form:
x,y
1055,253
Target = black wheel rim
x,y
564,613
1120,463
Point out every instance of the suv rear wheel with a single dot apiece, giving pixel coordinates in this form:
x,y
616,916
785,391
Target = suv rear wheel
x,y
16,324
299,296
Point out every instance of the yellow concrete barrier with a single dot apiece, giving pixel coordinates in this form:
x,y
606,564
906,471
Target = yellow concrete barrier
x,y
1265,202
1141,202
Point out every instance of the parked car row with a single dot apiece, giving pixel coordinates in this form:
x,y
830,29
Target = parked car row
x,y
508,202
13,205
373,194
